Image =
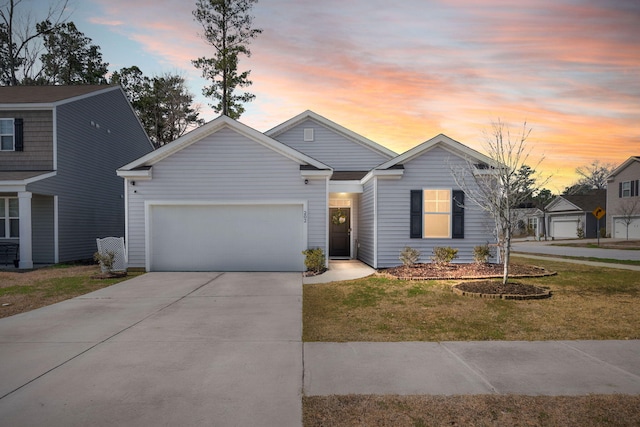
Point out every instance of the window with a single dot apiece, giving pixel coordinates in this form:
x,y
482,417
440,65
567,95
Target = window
x,y
532,226
6,135
629,188
9,218
437,214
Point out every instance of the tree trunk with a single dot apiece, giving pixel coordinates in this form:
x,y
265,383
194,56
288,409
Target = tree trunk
x,y
507,256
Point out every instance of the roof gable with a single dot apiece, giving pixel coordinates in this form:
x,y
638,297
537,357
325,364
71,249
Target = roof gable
x,y
222,122
581,202
306,115
633,160
444,142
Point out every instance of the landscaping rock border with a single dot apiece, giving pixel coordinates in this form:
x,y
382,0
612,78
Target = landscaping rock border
x,y
540,293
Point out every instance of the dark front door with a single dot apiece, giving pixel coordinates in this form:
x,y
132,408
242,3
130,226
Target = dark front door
x,y
339,232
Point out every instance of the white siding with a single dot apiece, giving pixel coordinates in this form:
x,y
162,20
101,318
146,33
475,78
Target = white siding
x,y
332,148
431,170
225,166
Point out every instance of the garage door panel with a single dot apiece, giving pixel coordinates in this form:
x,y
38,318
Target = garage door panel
x,y
620,228
226,238
564,228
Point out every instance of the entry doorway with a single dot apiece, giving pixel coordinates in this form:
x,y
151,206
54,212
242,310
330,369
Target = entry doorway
x,y
340,232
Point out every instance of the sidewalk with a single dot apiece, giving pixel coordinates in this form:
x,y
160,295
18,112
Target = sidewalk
x,y
578,261
483,367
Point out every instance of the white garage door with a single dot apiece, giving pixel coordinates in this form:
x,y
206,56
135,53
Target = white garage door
x,y
564,228
620,228
226,237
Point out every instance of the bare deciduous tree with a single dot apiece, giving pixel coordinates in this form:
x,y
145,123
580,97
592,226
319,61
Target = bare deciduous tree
x,y
629,211
496,188
21,37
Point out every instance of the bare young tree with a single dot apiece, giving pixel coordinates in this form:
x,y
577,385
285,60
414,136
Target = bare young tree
x,y
594,175
21,33
497,187
629,210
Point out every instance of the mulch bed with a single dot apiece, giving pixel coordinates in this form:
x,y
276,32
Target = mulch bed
x,y
479,288
433,271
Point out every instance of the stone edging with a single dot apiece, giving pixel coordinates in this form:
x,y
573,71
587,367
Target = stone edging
x,y
544,294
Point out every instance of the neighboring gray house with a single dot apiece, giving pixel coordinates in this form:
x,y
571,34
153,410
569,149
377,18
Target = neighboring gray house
x,y
60,146
565,214
623,200
227,197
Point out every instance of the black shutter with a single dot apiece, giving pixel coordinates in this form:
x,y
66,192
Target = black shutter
x,y
18,135
457,217
637,187
633,189
416,215
620,190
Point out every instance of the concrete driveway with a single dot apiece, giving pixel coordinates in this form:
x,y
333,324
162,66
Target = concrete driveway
x,y
161,349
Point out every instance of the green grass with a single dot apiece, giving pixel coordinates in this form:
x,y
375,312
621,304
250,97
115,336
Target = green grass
x,y
587,303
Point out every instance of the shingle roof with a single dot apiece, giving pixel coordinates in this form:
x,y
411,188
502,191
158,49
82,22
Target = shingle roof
x,y
588,202
44,94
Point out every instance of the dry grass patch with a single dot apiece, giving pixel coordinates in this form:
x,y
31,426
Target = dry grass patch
x,y
587,303
20,292
485,410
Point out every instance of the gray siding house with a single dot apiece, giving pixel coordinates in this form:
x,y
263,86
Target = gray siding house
x,y
227,197
623,200
60,146
566,214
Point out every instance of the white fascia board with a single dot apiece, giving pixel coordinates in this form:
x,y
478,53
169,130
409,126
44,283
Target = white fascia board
x,y
213,127
345,187
446,143
308,114
557,200
140,174
622,167
383,174
316,174
21,184
26,107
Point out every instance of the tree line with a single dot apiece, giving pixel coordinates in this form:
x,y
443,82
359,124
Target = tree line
x,y
53,51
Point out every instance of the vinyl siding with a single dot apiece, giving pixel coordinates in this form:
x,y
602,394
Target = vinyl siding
x,y
366,224
38,142
42,217
332,148
615,202
431,170
91,195
225,166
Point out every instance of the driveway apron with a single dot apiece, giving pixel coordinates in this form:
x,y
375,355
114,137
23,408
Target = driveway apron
x,y
187,349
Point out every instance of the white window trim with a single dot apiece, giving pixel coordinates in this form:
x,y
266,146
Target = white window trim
x,y
448,214
12,134
7,219
627,190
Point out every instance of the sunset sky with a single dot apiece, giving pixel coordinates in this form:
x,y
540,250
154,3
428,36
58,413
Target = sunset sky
x,y
401,72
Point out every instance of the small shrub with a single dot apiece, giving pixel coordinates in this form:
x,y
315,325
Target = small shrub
x,y
409,256
580,230
314,260
603,232
481,254
444,255
106,260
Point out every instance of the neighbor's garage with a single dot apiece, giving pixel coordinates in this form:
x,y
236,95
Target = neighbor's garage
x,y
620,228
242,237
564,228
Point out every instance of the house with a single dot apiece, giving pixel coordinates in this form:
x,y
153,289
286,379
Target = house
x,y
529,221
227,197
60,145
623,200
569,213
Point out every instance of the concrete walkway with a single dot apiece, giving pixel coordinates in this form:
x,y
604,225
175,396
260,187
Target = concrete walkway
x,y
341,270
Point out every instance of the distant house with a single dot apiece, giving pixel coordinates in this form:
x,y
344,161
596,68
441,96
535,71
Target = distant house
x,y
227,197
529,222
60,147
568,214
623,200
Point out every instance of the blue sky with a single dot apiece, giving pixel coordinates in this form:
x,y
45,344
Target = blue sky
x,y
401,72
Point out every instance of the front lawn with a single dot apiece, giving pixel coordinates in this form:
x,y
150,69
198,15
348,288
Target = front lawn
x,y
587,303
20,292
